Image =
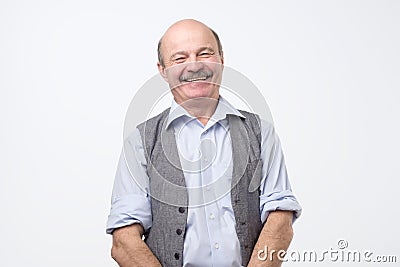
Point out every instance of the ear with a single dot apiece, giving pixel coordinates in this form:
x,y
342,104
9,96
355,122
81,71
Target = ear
x,y
162,71
222,60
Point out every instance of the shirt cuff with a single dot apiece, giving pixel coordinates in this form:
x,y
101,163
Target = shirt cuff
x,y
127,210
284,200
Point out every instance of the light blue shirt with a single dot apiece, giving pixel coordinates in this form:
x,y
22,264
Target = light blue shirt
x,y
206,155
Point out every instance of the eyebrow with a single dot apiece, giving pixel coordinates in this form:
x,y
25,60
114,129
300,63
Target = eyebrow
x,y
198,50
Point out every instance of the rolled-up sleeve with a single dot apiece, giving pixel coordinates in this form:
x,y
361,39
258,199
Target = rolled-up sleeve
x,y
130,201
276,192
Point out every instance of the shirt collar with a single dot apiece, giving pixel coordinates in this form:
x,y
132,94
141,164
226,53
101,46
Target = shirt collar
x,y
223,108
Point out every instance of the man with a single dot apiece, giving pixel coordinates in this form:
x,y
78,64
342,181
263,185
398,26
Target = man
x,y
207,184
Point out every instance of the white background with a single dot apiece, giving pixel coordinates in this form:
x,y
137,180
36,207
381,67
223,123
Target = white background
x,y
69,69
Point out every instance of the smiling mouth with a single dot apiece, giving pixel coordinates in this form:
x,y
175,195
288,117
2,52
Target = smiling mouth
x,y
199,76
197,79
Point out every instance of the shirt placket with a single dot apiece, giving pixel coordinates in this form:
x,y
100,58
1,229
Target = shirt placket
x,y
211,209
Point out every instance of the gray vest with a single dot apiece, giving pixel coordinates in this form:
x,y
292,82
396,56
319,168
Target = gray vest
x,y
169,196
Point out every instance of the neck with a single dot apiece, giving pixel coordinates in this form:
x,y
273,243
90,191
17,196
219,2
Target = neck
x,y
202,108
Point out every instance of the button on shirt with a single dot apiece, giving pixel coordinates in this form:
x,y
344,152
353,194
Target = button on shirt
x,y
206,155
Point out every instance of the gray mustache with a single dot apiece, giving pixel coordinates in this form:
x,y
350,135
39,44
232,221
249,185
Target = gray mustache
x,y
195,75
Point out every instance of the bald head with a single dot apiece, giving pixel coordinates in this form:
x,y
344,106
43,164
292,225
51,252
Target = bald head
x,y
186,28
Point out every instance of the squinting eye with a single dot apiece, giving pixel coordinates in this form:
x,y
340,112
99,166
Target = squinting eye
x,y
179,59
206,54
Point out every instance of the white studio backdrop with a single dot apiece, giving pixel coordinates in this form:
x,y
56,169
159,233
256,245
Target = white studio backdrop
x,y
69,69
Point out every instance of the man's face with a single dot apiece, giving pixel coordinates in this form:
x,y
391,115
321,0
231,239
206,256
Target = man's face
x,y
193,65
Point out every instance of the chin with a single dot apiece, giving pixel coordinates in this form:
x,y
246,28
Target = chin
x,y
199,89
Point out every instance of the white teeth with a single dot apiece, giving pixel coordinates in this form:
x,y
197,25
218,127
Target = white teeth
x,y
196,79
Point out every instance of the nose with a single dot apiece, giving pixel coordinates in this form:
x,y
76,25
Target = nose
x,y
193,64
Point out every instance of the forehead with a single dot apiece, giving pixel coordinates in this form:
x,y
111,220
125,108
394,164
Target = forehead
x,y
188,37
